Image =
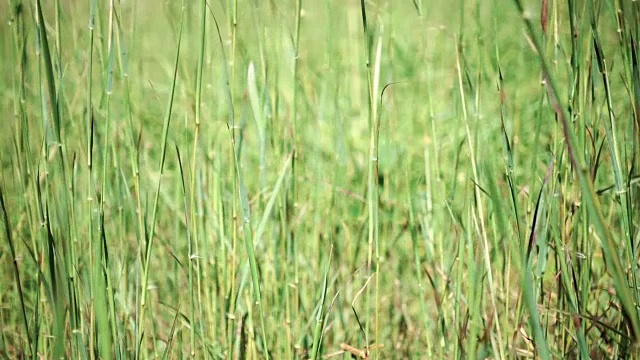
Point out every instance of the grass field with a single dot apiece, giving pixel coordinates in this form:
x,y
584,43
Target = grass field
x,y
319,179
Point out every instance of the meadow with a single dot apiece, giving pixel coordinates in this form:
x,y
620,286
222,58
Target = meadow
x,y
328,179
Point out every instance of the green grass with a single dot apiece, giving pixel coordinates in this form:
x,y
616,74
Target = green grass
x,y
326,179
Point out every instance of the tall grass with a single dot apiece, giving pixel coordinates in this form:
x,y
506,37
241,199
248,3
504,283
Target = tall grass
x,y
371,179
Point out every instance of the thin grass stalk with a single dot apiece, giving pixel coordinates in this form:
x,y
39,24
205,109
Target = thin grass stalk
x,y
418,266
479,205
150,238
89,126
193,239
100,269
119,59
296,60
249,247
188,225
373,77
431,146
261,122
320,317
220,327
232,25
40,276
48,65
229,267
133,150
58,151
510,247
292,312
581,70
67,221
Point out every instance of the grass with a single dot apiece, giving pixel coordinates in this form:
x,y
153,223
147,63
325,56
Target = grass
x,y
372,179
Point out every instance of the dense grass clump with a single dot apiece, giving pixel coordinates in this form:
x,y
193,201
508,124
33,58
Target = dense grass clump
x,y
319,179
